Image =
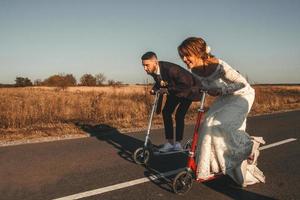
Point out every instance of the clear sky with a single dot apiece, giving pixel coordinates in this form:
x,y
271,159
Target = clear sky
x,y
260,38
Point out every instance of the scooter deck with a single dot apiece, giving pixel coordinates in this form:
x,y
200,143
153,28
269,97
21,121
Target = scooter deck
x,y
159,153
211,177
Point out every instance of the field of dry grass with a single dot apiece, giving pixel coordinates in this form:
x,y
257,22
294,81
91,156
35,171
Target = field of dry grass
x,y
43,111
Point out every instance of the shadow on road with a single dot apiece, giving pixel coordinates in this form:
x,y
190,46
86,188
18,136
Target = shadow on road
x,y
229,188
125,144
224,185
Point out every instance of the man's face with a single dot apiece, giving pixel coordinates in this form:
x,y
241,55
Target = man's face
x,y
150,65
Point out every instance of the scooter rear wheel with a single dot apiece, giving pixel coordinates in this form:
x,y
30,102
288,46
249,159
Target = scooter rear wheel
x,y
182,182
141,156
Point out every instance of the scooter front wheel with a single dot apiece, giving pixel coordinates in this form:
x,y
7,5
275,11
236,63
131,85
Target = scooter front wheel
x,y
141,156
182,182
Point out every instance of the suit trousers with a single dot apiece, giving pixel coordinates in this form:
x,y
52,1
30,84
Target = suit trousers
x,y
171,103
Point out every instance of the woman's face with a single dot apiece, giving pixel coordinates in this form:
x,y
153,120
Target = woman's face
x,y
192,61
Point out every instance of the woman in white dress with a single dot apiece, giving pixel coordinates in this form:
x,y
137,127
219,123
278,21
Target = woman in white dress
x,y
223,145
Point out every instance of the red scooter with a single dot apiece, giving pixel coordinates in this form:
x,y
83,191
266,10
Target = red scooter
x,y
184,180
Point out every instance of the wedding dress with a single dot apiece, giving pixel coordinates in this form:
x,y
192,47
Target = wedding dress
x,y
223,144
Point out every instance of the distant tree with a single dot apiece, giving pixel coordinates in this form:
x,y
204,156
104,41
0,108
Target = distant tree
x,y
60,80
88,80
111,82
19,82
70,80
28,82
23,82
100,79
114,83
38,82
118,83
52,80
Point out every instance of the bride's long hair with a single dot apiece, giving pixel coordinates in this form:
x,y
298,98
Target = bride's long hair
x,y
194,46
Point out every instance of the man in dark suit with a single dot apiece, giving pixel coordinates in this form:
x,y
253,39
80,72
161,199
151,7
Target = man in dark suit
x,y
182,90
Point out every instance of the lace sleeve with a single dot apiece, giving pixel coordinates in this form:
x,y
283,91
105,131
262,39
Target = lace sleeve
x,y
234,80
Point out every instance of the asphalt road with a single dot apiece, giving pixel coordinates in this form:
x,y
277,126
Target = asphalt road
x,y
58,169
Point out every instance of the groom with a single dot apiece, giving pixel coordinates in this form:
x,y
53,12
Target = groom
x,y
182,90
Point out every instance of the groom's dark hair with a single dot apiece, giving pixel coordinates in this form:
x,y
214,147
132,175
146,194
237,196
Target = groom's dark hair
x,y
148,55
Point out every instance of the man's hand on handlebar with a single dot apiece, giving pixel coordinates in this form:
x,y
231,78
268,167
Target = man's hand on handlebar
x,y
163,91
160,91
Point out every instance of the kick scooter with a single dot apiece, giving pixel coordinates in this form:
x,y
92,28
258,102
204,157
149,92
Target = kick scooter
x,y
142,154
184,180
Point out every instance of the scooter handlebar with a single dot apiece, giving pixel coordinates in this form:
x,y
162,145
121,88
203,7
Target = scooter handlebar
x,y
160,91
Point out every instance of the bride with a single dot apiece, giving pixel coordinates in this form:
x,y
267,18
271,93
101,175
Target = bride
x,y
223,145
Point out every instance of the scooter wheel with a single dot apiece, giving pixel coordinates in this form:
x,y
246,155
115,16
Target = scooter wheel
x,y
182,182
141,156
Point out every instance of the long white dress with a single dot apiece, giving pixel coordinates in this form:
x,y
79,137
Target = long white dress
x,y
223,144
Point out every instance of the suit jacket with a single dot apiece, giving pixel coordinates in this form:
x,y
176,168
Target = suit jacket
x,y
178,81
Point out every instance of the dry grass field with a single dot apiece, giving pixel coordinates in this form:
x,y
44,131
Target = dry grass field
x,y
44,111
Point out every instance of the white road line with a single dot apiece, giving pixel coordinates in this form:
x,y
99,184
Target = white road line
x,y
277,143
147,179
120,185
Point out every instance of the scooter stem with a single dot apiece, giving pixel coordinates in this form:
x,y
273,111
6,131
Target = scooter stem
x,y
150,118
191,164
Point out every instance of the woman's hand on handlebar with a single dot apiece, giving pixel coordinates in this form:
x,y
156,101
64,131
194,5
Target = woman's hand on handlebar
x,y
215,92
